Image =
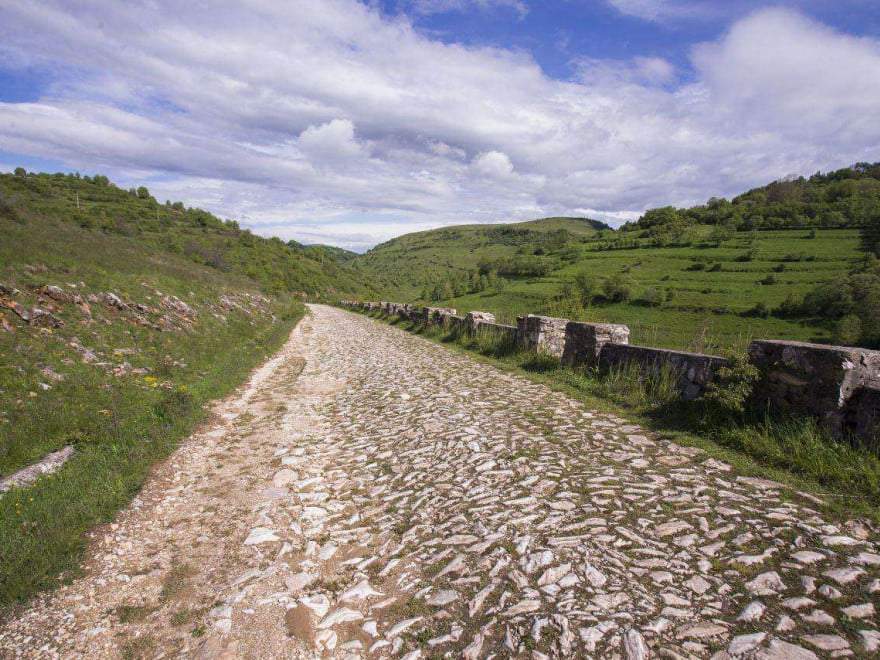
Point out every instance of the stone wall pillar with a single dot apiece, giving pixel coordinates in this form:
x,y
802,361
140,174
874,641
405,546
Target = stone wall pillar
x,y
584,341
813,378
545,334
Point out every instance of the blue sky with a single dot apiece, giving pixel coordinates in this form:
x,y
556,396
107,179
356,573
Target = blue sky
x,y
558,33
350,122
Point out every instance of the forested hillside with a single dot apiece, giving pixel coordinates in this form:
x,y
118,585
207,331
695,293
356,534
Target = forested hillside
x,y
845,198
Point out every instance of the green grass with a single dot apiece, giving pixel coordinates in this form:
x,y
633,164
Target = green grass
x,y
793,451
705,310
120,425
100,207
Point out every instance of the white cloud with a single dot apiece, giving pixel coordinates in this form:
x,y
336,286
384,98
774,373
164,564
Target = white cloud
x,y
639,70
311,119
647,9
666,10
427,7
330,142
493,164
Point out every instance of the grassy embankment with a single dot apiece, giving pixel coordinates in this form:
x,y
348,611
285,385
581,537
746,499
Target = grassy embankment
x,y
793,451
108,382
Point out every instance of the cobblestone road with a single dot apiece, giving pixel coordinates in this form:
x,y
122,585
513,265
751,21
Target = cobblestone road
x,y
399,499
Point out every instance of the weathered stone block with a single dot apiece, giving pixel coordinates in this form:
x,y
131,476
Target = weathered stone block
x,y
545,334
584,341
812,378
694,371
473,319
435,315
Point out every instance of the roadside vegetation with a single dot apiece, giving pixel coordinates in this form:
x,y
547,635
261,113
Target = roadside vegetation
x,y
795,259
113,344
796,451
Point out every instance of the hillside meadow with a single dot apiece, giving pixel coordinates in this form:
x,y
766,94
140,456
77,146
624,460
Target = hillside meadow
x,y
796,259
699,297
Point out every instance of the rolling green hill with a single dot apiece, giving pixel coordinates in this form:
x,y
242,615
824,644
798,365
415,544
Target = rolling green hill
x,y
96,205
404,266
708,278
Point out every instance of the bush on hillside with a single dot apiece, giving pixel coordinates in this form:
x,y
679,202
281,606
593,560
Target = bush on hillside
x,y
586,287
617,288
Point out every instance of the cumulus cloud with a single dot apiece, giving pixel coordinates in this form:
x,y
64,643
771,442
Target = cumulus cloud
x,y
493,164
331,142
308,119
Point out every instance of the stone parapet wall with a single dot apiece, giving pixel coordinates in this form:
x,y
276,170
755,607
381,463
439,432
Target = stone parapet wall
x,y
694,371
814,379
436,315
584,341
838,385
544,334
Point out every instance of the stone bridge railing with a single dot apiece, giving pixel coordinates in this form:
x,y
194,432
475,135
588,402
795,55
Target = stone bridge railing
x,y
838,385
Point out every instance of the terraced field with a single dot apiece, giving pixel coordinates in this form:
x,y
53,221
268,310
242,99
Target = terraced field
x,y
701,295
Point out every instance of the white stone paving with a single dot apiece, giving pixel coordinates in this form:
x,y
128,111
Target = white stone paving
x,y
422,504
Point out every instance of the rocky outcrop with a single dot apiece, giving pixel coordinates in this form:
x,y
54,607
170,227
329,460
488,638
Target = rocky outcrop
x,y
25,477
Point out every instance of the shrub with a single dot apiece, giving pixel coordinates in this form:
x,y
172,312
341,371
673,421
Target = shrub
x,y
586,287
697,265
770,279
653,296
760,311
7,210
715,268
617,288
733,384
